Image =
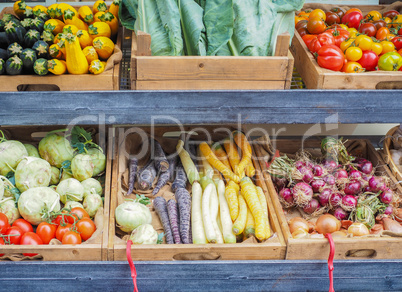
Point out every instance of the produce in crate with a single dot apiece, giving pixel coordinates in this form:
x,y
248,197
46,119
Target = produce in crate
x,y
351,42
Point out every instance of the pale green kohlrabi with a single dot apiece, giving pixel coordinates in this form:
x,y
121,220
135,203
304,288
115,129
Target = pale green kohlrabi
x,y
32,150
130,215
8,207
92,202
55,179
55,149
98,160
11,153
32,172
70,190
35,204
144,234
73,204
92,185
65,174
82,167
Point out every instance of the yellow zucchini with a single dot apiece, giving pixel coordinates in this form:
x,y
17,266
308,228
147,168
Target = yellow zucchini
x,y
85,39
99,29
76,61
54,25
70,17
55,52
90,53
70,27
98,15
39,8
64,6
112,21
99,5
19,8
96,67
57,67
62,46
54,11
58,38
114,8
85,13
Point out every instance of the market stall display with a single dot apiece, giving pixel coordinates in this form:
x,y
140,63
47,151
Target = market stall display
x,y
393,151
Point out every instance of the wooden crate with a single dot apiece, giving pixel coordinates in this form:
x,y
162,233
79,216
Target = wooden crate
x,y
96,250
107,80
209,72
345,248
274,248
315,77
387,154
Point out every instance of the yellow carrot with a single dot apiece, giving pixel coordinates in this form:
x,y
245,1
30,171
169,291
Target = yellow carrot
x,y
250,170
240,223
221,154
231,191
249,192
249,230
245,147
205,166
263,202
214,161
232,152
188,164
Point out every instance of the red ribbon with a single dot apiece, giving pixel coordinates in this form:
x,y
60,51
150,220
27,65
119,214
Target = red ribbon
x,y
131,264
277,154
331,261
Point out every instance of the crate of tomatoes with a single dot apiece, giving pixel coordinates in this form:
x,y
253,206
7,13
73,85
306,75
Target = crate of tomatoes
x,y
349,47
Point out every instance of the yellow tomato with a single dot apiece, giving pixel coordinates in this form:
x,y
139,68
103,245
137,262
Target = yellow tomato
x,y
387,46
318,13
397,20
364,42
344,26
387,21
352,32
373,16
298,18
376,48
352,67
353,54
346,44
389,37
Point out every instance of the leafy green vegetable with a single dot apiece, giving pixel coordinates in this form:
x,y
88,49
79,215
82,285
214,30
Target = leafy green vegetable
x,y
142,199
81,140
160,238
128,13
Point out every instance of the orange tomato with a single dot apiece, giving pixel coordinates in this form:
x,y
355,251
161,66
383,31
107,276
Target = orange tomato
x,y
353,9
382,33
373,16
298,19
352,67
316,25
304,14
318,13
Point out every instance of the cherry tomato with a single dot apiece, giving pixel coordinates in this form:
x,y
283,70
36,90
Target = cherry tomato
x,y
344,26
376,48
86,227
352,32
339,34
61,230
352,67
400,52
353,54
301,24
316,25
302,32
298,19
373,16
397,41
332,18
339,11
4,225
319,13
1,243
330,57
30,238
354,10
379,23
387,46
79,213
397,20
352,19
364,42
400,31
368,29
388,22
321,40
382,33
346,44
71,237
369,60
46,231
391,61
24,225
391,14
15,234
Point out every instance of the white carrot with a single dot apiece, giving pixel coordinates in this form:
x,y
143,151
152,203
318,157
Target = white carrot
x,y
197,225
206,214
214,209
226,221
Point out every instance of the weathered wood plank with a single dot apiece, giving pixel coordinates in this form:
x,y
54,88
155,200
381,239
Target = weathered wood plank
x,y
201,107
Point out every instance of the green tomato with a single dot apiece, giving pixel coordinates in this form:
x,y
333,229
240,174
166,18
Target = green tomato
x,y
390,61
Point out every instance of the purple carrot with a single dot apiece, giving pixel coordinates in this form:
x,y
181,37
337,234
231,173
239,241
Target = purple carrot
x,y
132,167
162,180
184,202
174,220
172,167
161,209
146,176
160,161
181,178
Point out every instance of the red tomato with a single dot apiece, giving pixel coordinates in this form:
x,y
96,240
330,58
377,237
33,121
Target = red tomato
x,y
400,31
391,14
302,32
71,237
368,29
46,231
330,57
30,238
397,41
352,19
61,230
308,38
332,18
316,25
379,23
340,35
58,220
86,227
79,213
1,243
4,225
24,225
15,234
369,60
321,40
339,11
354,10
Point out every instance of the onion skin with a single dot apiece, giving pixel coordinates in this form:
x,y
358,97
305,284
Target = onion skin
x,y
398,214
358,229
298,223
377,229
392,225
327,224
339,234
299,233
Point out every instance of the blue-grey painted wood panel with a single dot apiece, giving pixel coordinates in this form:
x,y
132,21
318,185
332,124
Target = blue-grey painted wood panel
x,y
201,107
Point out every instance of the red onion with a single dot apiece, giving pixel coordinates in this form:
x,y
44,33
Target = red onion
x,y
366,167
366,177
324,196
330,179
330,165
280,182
287,195
309,164
312,206
349,202
299,164
302,193
317,185
340,214
360,160
341,173
355,174
308,175
377,184
366,189
335,199
388,210
386,196
352,188
318,170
